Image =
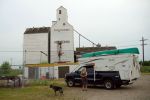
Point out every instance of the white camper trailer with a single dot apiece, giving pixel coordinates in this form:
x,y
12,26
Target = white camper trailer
x,y
112,68
127,65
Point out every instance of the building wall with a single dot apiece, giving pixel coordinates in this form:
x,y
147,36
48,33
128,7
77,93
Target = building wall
x,y
33,44
61,30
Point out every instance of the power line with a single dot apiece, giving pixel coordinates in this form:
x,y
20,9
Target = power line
x,y
10,51
45,52
143,44
34,51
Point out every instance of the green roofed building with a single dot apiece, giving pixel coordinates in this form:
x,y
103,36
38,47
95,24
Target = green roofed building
x,y
112,52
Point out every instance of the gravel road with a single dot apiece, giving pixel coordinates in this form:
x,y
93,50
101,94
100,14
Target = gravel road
x,y
140,90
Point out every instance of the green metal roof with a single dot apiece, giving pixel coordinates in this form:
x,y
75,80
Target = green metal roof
x,y
112,52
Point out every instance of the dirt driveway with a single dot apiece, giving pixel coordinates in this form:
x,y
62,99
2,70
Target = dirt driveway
x,y
140,90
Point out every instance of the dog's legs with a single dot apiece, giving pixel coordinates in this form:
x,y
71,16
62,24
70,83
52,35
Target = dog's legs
x,y
61,92
55,93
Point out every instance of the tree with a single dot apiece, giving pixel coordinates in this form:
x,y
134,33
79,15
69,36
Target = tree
x,y
5,68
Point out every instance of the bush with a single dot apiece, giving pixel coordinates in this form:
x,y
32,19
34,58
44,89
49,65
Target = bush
x,y
5,70
145,63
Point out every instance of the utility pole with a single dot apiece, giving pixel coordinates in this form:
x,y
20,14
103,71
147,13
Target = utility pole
x,y
143,44
23,69
79,40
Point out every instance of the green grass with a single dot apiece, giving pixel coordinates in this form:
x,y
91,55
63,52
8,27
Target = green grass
x,y
35,93
145,69
27,93
37,90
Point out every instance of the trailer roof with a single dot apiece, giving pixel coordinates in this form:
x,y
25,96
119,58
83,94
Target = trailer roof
x,y
112,52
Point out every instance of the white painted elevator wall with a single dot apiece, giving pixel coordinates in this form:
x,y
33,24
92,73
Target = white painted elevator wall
x,y
33,44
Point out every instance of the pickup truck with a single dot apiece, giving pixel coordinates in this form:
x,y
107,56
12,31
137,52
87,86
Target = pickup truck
x,y
109,79
111,68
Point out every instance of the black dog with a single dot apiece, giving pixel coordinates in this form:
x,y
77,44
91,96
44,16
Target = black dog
x,y
57,88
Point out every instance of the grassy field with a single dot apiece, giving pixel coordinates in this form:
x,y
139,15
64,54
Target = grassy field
x,y
27,93
145,69
30,93
37,90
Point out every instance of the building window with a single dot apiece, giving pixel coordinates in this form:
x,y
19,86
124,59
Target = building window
x,y
64,24
59,11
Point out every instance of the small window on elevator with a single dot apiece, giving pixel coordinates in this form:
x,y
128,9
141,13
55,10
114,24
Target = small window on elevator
x,y
59,11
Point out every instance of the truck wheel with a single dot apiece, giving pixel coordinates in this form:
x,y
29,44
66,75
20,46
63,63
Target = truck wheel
x,y
70,83
108,84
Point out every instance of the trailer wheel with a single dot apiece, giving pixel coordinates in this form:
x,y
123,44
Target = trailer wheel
x,y
70,83
108,84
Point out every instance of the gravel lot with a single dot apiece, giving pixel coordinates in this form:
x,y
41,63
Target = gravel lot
x,y
140,90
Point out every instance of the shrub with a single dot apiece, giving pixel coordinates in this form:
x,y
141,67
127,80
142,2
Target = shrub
x,y
5,70
145,63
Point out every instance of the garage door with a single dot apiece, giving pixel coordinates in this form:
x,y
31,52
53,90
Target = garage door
x,y
62,70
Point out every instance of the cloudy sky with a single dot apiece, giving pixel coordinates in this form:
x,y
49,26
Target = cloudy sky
x,y
120,23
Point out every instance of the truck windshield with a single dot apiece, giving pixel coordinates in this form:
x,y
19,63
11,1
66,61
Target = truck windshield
x,y
80,69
